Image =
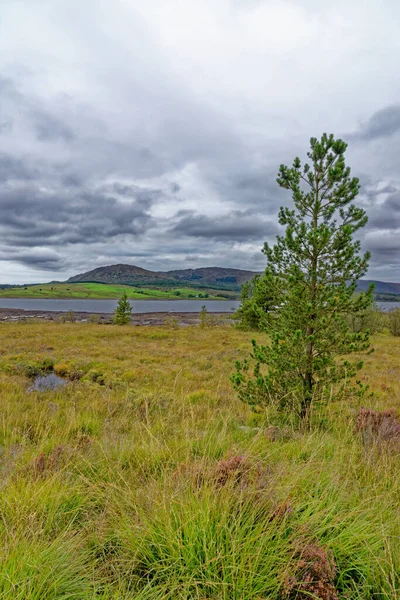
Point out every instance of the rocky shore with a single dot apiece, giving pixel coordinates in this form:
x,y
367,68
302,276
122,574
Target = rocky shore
x,y
140,319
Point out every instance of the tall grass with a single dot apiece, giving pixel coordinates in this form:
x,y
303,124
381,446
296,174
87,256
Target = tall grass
x,y
151,481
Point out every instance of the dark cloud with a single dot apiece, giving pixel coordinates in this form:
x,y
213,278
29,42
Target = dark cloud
x,y
31,216
12,168
252,187
50,128
383,210
72,180
6,127
234,226
382,124
20,108
393,203
39,259
384,247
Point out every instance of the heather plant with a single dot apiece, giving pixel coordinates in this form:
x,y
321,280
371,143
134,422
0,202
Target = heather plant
x,y
311,278
379,427
314,574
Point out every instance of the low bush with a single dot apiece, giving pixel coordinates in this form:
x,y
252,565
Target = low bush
x,y
394,321
71,370
16,365
95,319
68,317
171,322
372,318
207,320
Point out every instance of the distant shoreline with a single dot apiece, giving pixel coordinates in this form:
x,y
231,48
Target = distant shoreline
x,y
15,315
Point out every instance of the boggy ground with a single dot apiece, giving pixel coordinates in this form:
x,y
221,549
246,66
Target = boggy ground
x,y
145,478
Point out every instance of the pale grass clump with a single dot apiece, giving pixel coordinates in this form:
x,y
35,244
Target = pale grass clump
x,y
165,486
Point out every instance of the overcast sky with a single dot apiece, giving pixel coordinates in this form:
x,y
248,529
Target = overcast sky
x,y
150,132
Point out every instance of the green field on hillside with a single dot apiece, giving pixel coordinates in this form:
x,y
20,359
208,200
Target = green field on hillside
x,y
144,477
105,291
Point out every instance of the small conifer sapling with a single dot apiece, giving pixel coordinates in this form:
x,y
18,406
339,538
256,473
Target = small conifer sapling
x,y
123,312
312,273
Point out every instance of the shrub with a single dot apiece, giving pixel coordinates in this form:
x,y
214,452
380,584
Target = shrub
x,y
372,319
394,321
96,376
96,319
207,320
172,322
71,370
68,317
61,369
34,369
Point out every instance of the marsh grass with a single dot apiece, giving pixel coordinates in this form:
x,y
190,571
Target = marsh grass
x,y
151,480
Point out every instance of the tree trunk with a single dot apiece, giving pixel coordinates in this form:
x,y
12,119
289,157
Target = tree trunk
x,y
308,376
304,410
308,385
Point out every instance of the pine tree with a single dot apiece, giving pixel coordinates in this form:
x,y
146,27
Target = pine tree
x,y
312,272
122,314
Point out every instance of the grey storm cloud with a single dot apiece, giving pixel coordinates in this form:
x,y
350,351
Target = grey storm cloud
x,y
49,128
128,133
237,225
384,248
37,258
19,107
381,124
33,216
383,208
15,168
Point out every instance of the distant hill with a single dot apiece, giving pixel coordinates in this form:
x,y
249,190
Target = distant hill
x,y
215,276
208,277
120,274
381,287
